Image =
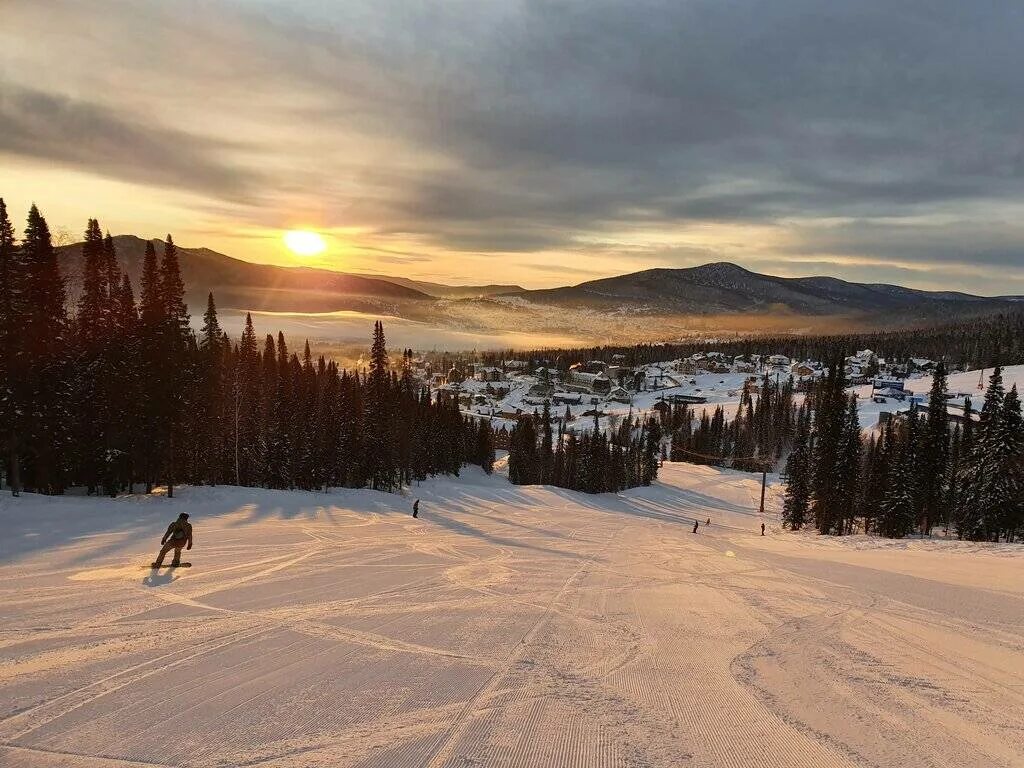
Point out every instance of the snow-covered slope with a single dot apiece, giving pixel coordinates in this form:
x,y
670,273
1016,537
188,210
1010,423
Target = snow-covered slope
x,y
505,627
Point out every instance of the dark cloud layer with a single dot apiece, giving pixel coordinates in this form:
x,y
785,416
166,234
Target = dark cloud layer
x,y
875,129
86,136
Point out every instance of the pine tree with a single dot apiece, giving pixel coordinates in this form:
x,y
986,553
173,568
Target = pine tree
x,y
847,477
546,457
209,337
980,497
828,459
1007,444
43,390
934,453
91,303
796,505
173,340
876,474
899,507
11,369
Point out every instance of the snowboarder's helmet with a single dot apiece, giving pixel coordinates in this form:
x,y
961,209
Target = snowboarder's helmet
x,y
183,516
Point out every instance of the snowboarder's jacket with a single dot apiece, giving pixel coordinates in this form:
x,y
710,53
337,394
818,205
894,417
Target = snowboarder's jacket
x,y
180,532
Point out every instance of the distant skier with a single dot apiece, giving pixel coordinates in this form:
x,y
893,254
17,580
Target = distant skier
x,y
695,524
708,522
178,535
762,529
416,508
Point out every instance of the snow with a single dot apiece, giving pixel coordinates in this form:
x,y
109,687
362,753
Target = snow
x,y
507,626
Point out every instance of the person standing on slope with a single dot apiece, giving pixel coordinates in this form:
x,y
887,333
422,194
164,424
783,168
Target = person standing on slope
x,y
695,524
762,529
178,535
416,508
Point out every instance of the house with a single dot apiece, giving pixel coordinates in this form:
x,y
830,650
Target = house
x,y
488,373
679,399
596,382
620,395
779,361
497,391
742,366
567,398
515,365
888,383
541,389
894,394
803,369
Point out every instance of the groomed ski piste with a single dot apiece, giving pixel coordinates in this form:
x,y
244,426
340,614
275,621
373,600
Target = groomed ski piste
x,y
507,626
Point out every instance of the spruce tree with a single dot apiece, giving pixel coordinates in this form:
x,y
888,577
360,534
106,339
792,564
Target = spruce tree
x,y
797,501
546,455
44,386
11,369
934,453
980,497
899,507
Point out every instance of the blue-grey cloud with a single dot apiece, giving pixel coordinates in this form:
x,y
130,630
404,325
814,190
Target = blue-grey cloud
x,y
84,135
547,124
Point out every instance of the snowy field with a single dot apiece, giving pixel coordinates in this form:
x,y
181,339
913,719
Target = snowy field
x,y
506,627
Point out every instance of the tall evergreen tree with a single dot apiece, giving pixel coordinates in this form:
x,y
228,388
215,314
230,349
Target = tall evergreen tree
x,y
10,367
796,505
43,327
934,453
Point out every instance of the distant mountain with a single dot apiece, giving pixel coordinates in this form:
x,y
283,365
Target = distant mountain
x,y
710,297
723,288
242,284
442,291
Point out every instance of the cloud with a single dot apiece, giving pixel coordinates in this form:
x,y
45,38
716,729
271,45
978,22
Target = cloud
x,y
866,129
87,136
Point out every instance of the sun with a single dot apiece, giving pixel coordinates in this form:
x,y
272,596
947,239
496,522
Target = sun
x,y
303,242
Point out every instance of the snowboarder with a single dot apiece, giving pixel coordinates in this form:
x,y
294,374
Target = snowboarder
x,y
708,522
695,524
416,508
179,534
762,529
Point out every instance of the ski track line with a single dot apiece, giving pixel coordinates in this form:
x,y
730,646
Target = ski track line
x,y
229,640
93,759
458,726
247,681
811,631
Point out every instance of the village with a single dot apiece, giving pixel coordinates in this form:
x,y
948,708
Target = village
x,y
582,394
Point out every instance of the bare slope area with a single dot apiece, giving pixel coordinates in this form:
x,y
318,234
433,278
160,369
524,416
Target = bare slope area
x,y
506,627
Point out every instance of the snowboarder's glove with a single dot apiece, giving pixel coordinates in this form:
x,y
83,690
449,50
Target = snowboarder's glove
x,y
189,547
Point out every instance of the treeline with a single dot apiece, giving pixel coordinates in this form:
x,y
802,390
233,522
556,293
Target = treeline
x,y
753,441
921,472
974,342
118,393
592,462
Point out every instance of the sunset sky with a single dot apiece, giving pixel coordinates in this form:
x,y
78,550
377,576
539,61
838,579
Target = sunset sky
x,y
541,143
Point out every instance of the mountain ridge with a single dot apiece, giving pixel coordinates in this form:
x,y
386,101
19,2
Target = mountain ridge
x,y
713,289
727,288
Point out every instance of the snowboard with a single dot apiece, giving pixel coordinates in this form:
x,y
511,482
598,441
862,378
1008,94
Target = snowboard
x,y
168,565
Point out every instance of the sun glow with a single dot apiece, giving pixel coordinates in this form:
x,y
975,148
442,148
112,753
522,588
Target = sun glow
x,y
304,243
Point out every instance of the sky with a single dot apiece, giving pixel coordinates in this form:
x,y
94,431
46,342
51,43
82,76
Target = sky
x,y
542,143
